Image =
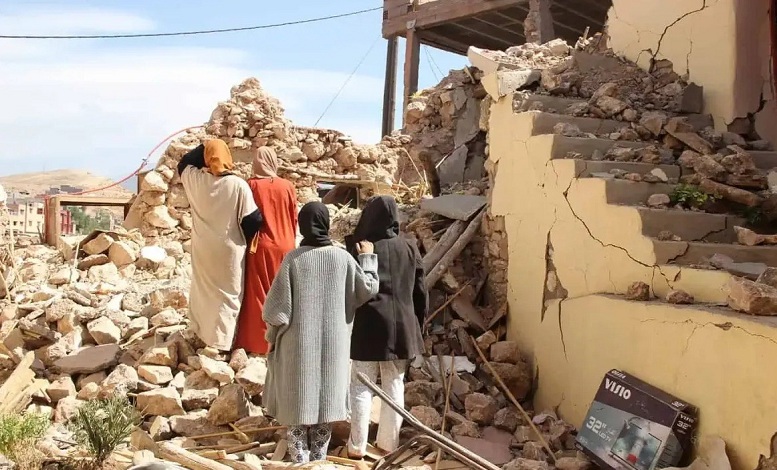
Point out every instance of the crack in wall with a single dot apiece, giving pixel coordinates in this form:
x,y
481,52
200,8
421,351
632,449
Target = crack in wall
x,y
726,326
561,330
670,25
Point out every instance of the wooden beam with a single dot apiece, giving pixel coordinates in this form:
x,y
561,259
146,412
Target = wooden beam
x,y
73,200
455,46
390,86
412,55
505,42
441,11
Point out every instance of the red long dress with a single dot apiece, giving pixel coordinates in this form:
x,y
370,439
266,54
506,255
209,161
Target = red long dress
x,y
277,201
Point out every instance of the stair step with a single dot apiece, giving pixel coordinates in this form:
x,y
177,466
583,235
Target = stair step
x,y
544,123
765,160
563,146
550,104
588,168
632,193
690,225
687,253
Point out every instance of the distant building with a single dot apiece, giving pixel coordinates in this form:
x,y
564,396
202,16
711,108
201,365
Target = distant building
x,y
26,215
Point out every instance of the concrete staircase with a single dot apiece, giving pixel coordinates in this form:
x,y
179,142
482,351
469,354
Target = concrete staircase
x,y
583,177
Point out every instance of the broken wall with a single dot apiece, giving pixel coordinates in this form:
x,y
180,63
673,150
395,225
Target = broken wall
x,y
723,45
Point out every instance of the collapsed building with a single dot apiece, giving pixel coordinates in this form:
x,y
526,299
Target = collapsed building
x,y
589,200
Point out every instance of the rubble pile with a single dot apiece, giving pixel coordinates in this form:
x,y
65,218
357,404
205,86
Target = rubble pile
x,y
250,119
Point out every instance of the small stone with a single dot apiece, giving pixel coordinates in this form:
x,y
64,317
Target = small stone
x,y
137,325
635,177
167,317
653,121
666,235
122,253
523,434
160,429
768,277
638,291
166,355
507,419
611,106
238,360
467,429
679,297
63,276
231,405
161,402
760,145
61,388
98,244
658,200
517,377
428,416
194,399
217,370
90,391
630,115
157,375
159,217
103,273
506,351
682,130
481,408
485,340
122,380
422,393
195,424
567,130
730,138
66,409
751,297
660,174
153,181
747,237
253,376
151,256
104,331
199,380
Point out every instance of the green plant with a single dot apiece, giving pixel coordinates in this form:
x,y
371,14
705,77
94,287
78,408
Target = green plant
x,y
754,215
86,224
689,195
18,433
101,425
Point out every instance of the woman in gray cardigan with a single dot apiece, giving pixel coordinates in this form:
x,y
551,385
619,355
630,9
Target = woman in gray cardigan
x,y
309,313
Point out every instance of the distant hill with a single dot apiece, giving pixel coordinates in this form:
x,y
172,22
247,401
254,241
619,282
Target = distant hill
x,y
41,182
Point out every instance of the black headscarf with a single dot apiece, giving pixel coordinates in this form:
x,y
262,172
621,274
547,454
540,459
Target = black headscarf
x,y
379,220
314,225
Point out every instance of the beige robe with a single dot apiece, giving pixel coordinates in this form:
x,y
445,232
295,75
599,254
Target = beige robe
x,y
218,204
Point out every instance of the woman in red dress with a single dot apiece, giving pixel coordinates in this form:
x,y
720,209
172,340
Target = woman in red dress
x,y
277,201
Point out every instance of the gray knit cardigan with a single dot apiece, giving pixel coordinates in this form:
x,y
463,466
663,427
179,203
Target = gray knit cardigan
x,y
309,313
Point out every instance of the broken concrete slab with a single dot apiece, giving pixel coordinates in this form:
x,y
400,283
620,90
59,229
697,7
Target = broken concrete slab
x,y
747,270
692,100
485,62
751,297
451,169
454,206
89,359
498,453
506,82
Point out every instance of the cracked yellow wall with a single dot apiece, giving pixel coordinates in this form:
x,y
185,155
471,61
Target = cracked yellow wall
x,y
597,249
723,45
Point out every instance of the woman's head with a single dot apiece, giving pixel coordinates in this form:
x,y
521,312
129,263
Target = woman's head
x,y
314,225
218,158
265,163
379,220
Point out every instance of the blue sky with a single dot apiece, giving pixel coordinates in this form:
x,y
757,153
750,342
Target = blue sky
x,y
102,105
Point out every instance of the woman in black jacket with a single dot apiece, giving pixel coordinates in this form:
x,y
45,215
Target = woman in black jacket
x,y
387,329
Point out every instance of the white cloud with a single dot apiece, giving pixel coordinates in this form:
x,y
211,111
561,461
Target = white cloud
x,y
103,106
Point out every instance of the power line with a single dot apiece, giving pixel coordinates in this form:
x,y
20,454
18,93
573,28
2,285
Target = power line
x,y
345,83
442,74
429,61
193,33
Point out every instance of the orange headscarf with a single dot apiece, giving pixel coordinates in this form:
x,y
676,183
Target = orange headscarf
x,y
218,158
265,163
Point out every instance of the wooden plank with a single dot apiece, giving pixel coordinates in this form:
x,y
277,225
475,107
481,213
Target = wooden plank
x,y
443,11
74,200
390,86
188,459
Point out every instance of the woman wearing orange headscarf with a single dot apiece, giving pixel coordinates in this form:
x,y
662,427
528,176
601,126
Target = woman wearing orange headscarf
x,y
277,201
224,220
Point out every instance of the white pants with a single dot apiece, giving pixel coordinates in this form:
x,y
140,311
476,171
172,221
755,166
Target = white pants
x,y
392,379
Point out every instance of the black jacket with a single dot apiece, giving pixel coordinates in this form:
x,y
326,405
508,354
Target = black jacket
x,y
388,327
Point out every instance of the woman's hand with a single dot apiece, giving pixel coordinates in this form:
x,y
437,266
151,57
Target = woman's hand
x,y
365,248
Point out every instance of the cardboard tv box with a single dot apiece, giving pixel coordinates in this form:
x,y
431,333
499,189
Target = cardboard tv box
x,y
632,425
